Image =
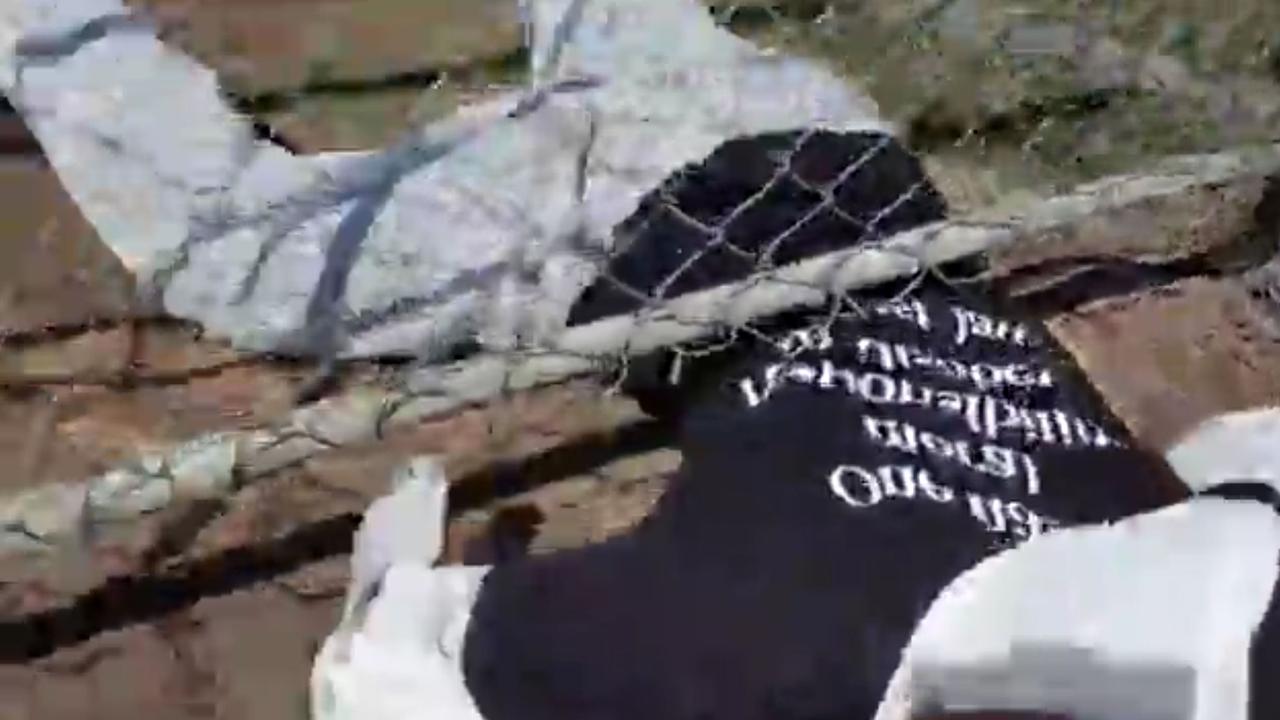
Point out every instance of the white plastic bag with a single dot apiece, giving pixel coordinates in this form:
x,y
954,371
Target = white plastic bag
x,y
397,651
1233,447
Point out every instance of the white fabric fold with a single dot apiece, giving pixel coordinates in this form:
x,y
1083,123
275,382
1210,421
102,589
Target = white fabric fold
x,y
476,227
1232,447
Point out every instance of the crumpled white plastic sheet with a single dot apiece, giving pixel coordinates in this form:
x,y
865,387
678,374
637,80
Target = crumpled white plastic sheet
x,y
484,226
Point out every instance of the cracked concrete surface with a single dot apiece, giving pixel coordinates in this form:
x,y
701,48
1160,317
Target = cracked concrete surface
x,y
195,662
1172,358
54,271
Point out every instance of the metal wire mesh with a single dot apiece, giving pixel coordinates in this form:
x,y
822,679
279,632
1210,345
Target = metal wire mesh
x,y
995,99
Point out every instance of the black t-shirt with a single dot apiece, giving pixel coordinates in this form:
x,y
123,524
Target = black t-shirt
x,y
833,482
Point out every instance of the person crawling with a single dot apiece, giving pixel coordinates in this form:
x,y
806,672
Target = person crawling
x,y
843,468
